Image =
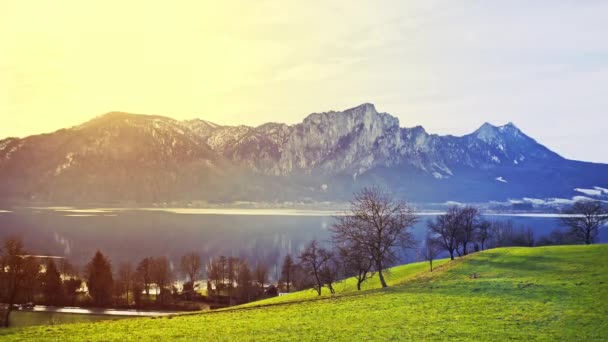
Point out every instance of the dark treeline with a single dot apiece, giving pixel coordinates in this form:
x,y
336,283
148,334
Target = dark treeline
x,y
150,283
366,241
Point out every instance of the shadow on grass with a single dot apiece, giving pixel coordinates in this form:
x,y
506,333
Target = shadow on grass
x,y
534,263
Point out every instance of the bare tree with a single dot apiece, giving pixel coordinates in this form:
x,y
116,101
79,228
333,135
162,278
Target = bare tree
x,y
31,281
312,261
528,236
377,224
558,237
261,275
445,228
357,264
286,271
126,275
144,274
468,221
191,266
244,279
484,233
232,267
138,288
222,261
215,275
430,250
585,218
330,270
300,279
503,233
17,266
231,270
162,276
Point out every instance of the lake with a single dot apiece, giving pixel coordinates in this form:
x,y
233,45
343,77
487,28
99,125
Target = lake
x,y
260,235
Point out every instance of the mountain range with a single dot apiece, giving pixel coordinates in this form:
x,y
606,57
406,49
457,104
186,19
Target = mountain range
x,y
122,158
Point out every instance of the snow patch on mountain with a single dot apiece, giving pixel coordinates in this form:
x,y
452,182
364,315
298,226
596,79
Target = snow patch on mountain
x,y
603,190
4,143
69,161
582,198
589,192
534,200
437,175
12,150
452,203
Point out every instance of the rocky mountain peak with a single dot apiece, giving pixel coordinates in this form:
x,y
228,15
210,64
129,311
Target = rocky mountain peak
x,y
158,158
365,114
490,133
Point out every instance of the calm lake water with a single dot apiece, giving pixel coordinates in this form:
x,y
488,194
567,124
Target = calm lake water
x,y
263,235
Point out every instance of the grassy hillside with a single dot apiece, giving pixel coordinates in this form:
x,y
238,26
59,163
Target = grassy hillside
x,y
394,276
549,293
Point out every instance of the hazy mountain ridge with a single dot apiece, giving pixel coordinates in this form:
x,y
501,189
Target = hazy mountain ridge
x,y
145,158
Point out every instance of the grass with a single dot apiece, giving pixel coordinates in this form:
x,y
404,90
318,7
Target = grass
x,y
546,293
394,276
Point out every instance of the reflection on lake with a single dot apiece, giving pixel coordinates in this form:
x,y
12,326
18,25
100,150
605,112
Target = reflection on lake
x,y
263,235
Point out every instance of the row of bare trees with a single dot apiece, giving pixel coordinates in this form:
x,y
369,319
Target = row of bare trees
x,y
462,226
462,230
366,240
584,219
235,279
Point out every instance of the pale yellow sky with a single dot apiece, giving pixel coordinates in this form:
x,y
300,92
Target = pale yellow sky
x,y
445,66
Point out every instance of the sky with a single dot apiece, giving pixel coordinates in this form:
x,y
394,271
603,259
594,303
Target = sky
x,y
447,65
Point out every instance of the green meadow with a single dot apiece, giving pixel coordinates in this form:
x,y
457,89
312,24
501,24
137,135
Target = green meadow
x,y
544,293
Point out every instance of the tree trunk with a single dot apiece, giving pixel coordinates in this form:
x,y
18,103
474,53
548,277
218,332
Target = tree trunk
x,y
379,266
319,284
11,301
431,262
7,316
451,254
358,285
588,237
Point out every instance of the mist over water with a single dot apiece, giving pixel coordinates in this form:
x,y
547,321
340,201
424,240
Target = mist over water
x,y
259,235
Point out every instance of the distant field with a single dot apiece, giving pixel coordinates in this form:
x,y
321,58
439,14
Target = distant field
x,y
546,293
